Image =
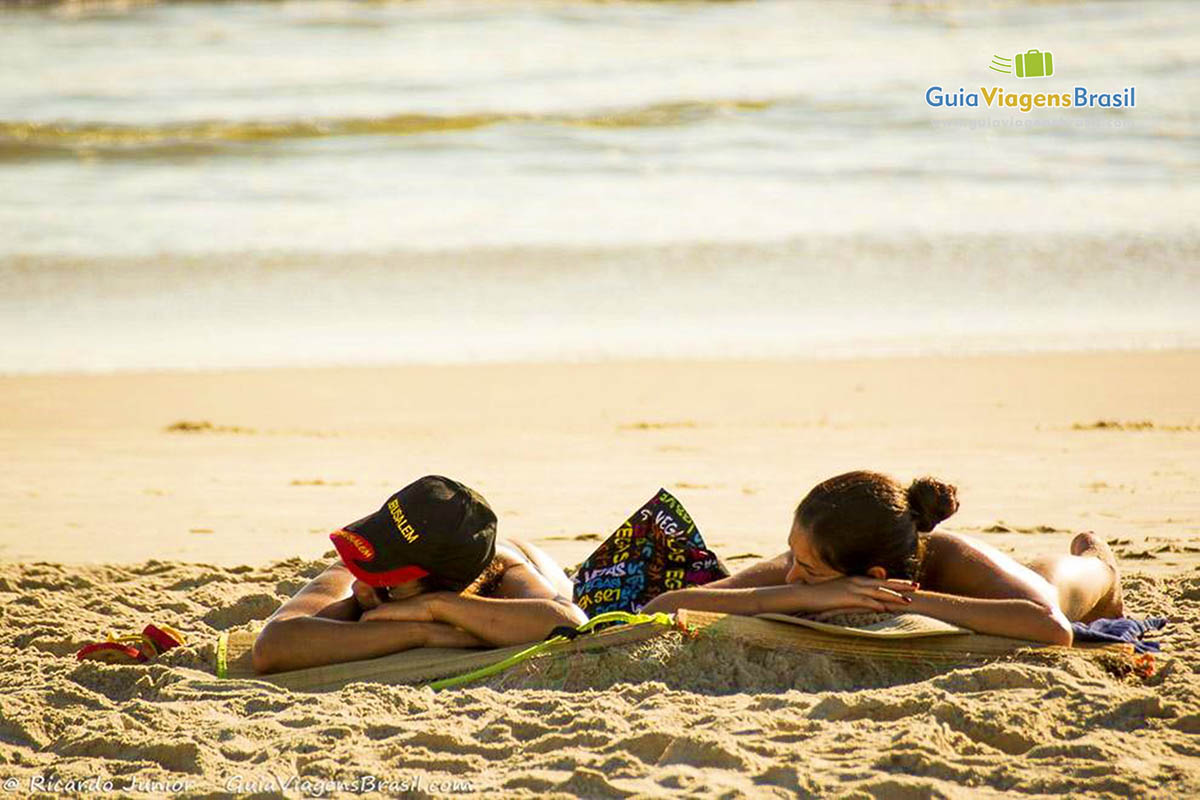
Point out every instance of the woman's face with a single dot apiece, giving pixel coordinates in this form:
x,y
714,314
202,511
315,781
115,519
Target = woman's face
x,y
807,566
402,591
370,597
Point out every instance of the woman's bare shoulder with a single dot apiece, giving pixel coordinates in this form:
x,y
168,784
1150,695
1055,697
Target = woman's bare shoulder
x,y
958,564
511,552
528,571
768,572
948,544
947,564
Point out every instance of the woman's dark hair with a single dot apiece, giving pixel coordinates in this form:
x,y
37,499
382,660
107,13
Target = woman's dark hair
x,y
483,585
864,519
488,580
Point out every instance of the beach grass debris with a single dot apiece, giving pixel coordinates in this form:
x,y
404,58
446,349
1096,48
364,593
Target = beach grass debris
x,y
204,426
1002,527
656,426
1131,425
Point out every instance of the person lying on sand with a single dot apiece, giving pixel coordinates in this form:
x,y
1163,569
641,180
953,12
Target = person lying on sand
x,y
863,541
423,571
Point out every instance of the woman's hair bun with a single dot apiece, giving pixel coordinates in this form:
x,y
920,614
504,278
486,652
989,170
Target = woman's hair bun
x,y
930,501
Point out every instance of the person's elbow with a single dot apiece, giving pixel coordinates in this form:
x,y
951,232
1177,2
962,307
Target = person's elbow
x,y
1061,633
572,614
559,614
1056,628
663,602
265,655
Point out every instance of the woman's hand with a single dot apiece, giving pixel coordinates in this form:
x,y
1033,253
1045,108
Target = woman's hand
x,y
365,594
854,593
418,608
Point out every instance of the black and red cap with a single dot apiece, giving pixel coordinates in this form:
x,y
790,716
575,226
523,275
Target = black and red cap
x,y
434,526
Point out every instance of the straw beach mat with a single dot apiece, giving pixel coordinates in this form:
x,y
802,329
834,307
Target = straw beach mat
x,y
411,666
905,638
895,626
910,638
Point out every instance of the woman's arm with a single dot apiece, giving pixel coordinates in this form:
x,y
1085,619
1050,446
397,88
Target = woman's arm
x,y
975,585
849,593
319,625
1016,618
761,588
301,642
525,609
504,622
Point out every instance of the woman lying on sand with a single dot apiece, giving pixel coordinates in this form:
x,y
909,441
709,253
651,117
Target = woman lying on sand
x,y
858,541
423,571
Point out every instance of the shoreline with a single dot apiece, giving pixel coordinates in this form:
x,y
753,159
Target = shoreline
x,y
600,362
833,297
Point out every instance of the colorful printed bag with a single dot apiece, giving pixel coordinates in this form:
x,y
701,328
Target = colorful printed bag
x,y
658,549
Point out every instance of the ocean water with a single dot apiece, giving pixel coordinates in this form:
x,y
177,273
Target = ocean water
x,y
210,185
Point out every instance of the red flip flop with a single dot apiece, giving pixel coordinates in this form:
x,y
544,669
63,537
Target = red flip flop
x,y
112,652
160,638
153,641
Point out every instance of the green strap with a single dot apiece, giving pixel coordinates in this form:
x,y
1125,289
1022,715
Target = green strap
x,y
541,647
223,655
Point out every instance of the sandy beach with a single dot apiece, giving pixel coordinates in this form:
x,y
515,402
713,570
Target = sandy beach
x,y
204,499
264,264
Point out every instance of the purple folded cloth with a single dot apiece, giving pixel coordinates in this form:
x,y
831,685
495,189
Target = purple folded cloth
x,y
1123,630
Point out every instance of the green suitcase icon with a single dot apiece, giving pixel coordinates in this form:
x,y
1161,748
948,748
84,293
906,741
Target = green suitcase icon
x,y
1034,64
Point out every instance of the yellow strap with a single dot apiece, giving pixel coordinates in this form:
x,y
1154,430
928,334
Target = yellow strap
x,y
133,638
531,651
223,655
